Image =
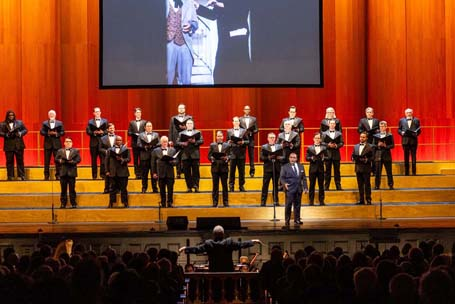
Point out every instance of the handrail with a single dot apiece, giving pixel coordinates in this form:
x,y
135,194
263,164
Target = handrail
x,y
429,139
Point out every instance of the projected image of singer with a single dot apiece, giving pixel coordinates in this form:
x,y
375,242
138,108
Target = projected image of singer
x,y
181,25
233,58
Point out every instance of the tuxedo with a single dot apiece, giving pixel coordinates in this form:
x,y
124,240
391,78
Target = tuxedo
x,y
271,167
14,146
383,156
333,158
364,126
325,125
105,144
237,157
95,144
146,149
297,184
251,130
363,171
116,164
177,125
68,173
297,124
316,171
133,132
190,156
409,141
164,169
233,50
294,141
219,170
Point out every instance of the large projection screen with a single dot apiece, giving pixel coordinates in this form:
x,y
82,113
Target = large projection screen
x,y
207,43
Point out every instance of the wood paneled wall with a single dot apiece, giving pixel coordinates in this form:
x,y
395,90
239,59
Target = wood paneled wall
x,y
389,54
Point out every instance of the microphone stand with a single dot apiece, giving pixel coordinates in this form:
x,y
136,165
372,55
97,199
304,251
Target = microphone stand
x,y
53,215
274,193
381,218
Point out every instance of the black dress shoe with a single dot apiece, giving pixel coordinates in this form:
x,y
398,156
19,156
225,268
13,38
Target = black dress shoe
x,y
138,177
46,178
155,191
299,222
10,178
277,204
225,204
110,205
321,204
22,177
376,188
262,204
105,191
126,205
242,189
57,178
74,206
360,203
231,189
170,205
189,190
391,188
339,188
326,189
286,223
179,175
62,206
368,202
311,204
214,205
143,190
196,190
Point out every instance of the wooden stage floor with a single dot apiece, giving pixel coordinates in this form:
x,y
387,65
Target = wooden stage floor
x,y
251,227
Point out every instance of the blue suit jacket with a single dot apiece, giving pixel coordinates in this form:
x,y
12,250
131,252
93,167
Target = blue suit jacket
x,y
296,183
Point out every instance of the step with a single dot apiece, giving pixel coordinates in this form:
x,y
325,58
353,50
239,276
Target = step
x,y
347,168
251,184
204,199
390,210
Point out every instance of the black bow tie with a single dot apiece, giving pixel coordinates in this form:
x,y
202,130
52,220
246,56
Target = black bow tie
x,y
68,149
138,120
332,131
408,118
111,135
97,119
51,121
149,133
362,144
316,145
370,118
164,149
178,3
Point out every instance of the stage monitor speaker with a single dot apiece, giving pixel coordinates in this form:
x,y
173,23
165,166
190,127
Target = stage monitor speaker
x,y
228,223
177,223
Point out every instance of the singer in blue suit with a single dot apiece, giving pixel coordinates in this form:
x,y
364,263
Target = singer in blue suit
x,y
293,178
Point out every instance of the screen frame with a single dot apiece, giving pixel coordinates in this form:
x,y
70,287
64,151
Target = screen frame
x,y
102,86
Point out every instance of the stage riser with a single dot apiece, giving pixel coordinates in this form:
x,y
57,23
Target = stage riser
x,y
235,199
252,213
251,184
36,173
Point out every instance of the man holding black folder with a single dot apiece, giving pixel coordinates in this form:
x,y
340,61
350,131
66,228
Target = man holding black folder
x,y
249,123
271,155
177,125
189,141
316,154
237,138
219,158
362,156
163,160
409,130
383,143
290,141
369,124
333,140
147,142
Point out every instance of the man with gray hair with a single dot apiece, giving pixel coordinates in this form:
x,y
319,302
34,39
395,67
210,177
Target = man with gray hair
x,y
163,161
409,130
219,250
52,130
